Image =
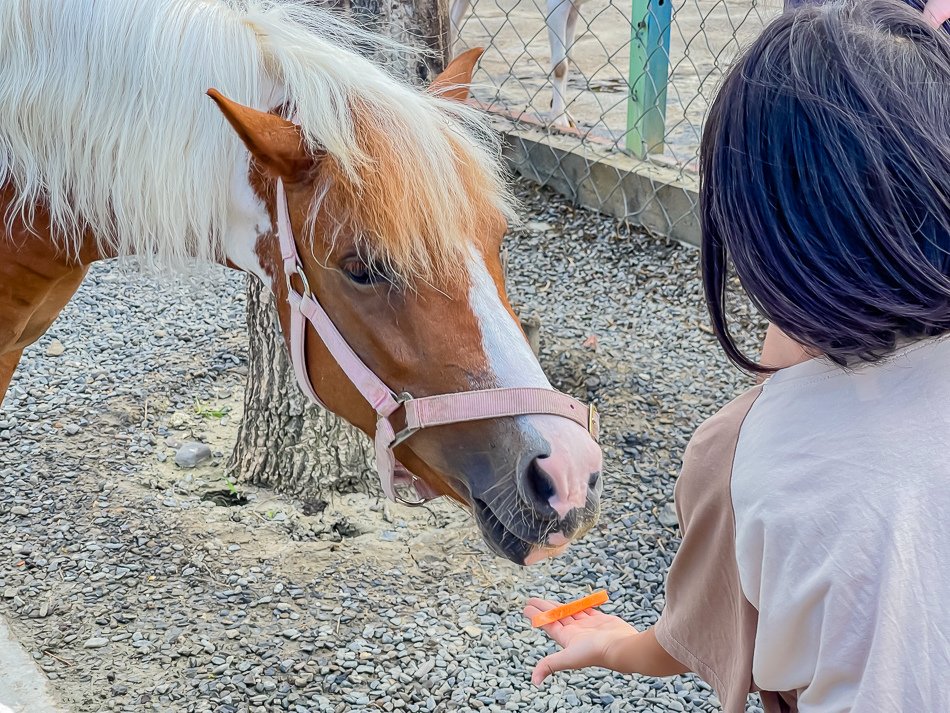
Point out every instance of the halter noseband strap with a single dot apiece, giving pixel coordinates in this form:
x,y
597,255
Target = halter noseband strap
x,y
419,413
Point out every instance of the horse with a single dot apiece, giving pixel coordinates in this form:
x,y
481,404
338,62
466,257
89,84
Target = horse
x,y
561,19
253,134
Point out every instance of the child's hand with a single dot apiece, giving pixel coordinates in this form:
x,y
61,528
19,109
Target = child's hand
x,y
586,639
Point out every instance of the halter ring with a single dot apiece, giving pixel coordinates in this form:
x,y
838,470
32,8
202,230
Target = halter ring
x,y
409,503
298,272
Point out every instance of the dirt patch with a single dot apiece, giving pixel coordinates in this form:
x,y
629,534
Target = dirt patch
x,y
267,527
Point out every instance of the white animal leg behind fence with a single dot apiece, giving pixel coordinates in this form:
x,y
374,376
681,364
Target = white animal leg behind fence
x,y
562,22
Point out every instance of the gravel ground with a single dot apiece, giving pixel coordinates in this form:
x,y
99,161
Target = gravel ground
x,y
134,591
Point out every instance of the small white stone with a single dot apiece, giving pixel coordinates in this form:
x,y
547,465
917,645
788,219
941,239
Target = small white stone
x,y
192,454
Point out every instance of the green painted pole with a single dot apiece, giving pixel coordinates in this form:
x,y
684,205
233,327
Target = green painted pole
x,y
649,75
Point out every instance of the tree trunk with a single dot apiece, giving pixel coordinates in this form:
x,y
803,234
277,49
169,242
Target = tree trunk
x,y
423,24
285,442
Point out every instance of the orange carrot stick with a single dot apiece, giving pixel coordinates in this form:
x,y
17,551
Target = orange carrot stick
x,y
570,609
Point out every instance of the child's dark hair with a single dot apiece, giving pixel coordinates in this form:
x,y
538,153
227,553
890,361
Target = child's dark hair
x,y
825,180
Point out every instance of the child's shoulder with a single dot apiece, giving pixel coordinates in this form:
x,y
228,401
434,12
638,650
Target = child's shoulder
x,y
707,462
716,438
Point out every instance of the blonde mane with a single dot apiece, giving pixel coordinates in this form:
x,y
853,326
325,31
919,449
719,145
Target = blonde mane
x,y
104,121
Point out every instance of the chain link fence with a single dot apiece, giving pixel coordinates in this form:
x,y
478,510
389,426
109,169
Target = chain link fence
x,y
639,79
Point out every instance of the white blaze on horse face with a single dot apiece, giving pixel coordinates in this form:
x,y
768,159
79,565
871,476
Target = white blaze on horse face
x,y
510,359
574,456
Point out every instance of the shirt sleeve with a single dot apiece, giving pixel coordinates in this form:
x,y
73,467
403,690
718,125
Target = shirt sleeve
x,y
708,625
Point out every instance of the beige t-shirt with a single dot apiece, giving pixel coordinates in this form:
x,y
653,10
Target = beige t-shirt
x,y
815,561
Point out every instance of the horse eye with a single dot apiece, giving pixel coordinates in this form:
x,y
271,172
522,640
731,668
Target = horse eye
x,y
362,274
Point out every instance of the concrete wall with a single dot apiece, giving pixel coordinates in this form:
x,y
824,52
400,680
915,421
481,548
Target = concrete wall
x,y
663,200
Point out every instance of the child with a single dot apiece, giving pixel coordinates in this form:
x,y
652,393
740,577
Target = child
x,y
815,509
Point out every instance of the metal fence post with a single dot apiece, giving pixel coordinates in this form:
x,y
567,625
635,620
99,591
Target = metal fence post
x,y
649,74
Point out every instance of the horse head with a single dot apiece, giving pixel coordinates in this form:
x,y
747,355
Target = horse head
x,y
426,312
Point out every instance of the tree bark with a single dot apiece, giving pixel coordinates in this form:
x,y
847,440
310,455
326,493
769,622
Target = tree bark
x,y
284,442
423,24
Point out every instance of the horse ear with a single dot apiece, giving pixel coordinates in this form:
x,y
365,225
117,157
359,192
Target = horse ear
x,y
454,80
275,142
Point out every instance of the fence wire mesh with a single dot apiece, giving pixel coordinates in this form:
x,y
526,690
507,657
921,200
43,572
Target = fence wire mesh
x,y
685,52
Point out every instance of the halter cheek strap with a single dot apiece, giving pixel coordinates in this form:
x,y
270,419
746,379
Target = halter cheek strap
x,y
419,413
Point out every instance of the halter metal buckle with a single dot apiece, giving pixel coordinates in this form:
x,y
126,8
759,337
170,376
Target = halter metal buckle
x,y
406,433
297,271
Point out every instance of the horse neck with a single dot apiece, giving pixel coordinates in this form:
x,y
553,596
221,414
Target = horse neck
x,y
250,219
40,275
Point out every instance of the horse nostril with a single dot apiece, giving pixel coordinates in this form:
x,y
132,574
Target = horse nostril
x,y
594,477
538,486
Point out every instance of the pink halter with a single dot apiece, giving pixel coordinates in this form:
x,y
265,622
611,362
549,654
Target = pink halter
x,y
419,413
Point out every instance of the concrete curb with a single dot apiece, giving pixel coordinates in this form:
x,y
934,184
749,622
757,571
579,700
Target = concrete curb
x,y
23,687
662,199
